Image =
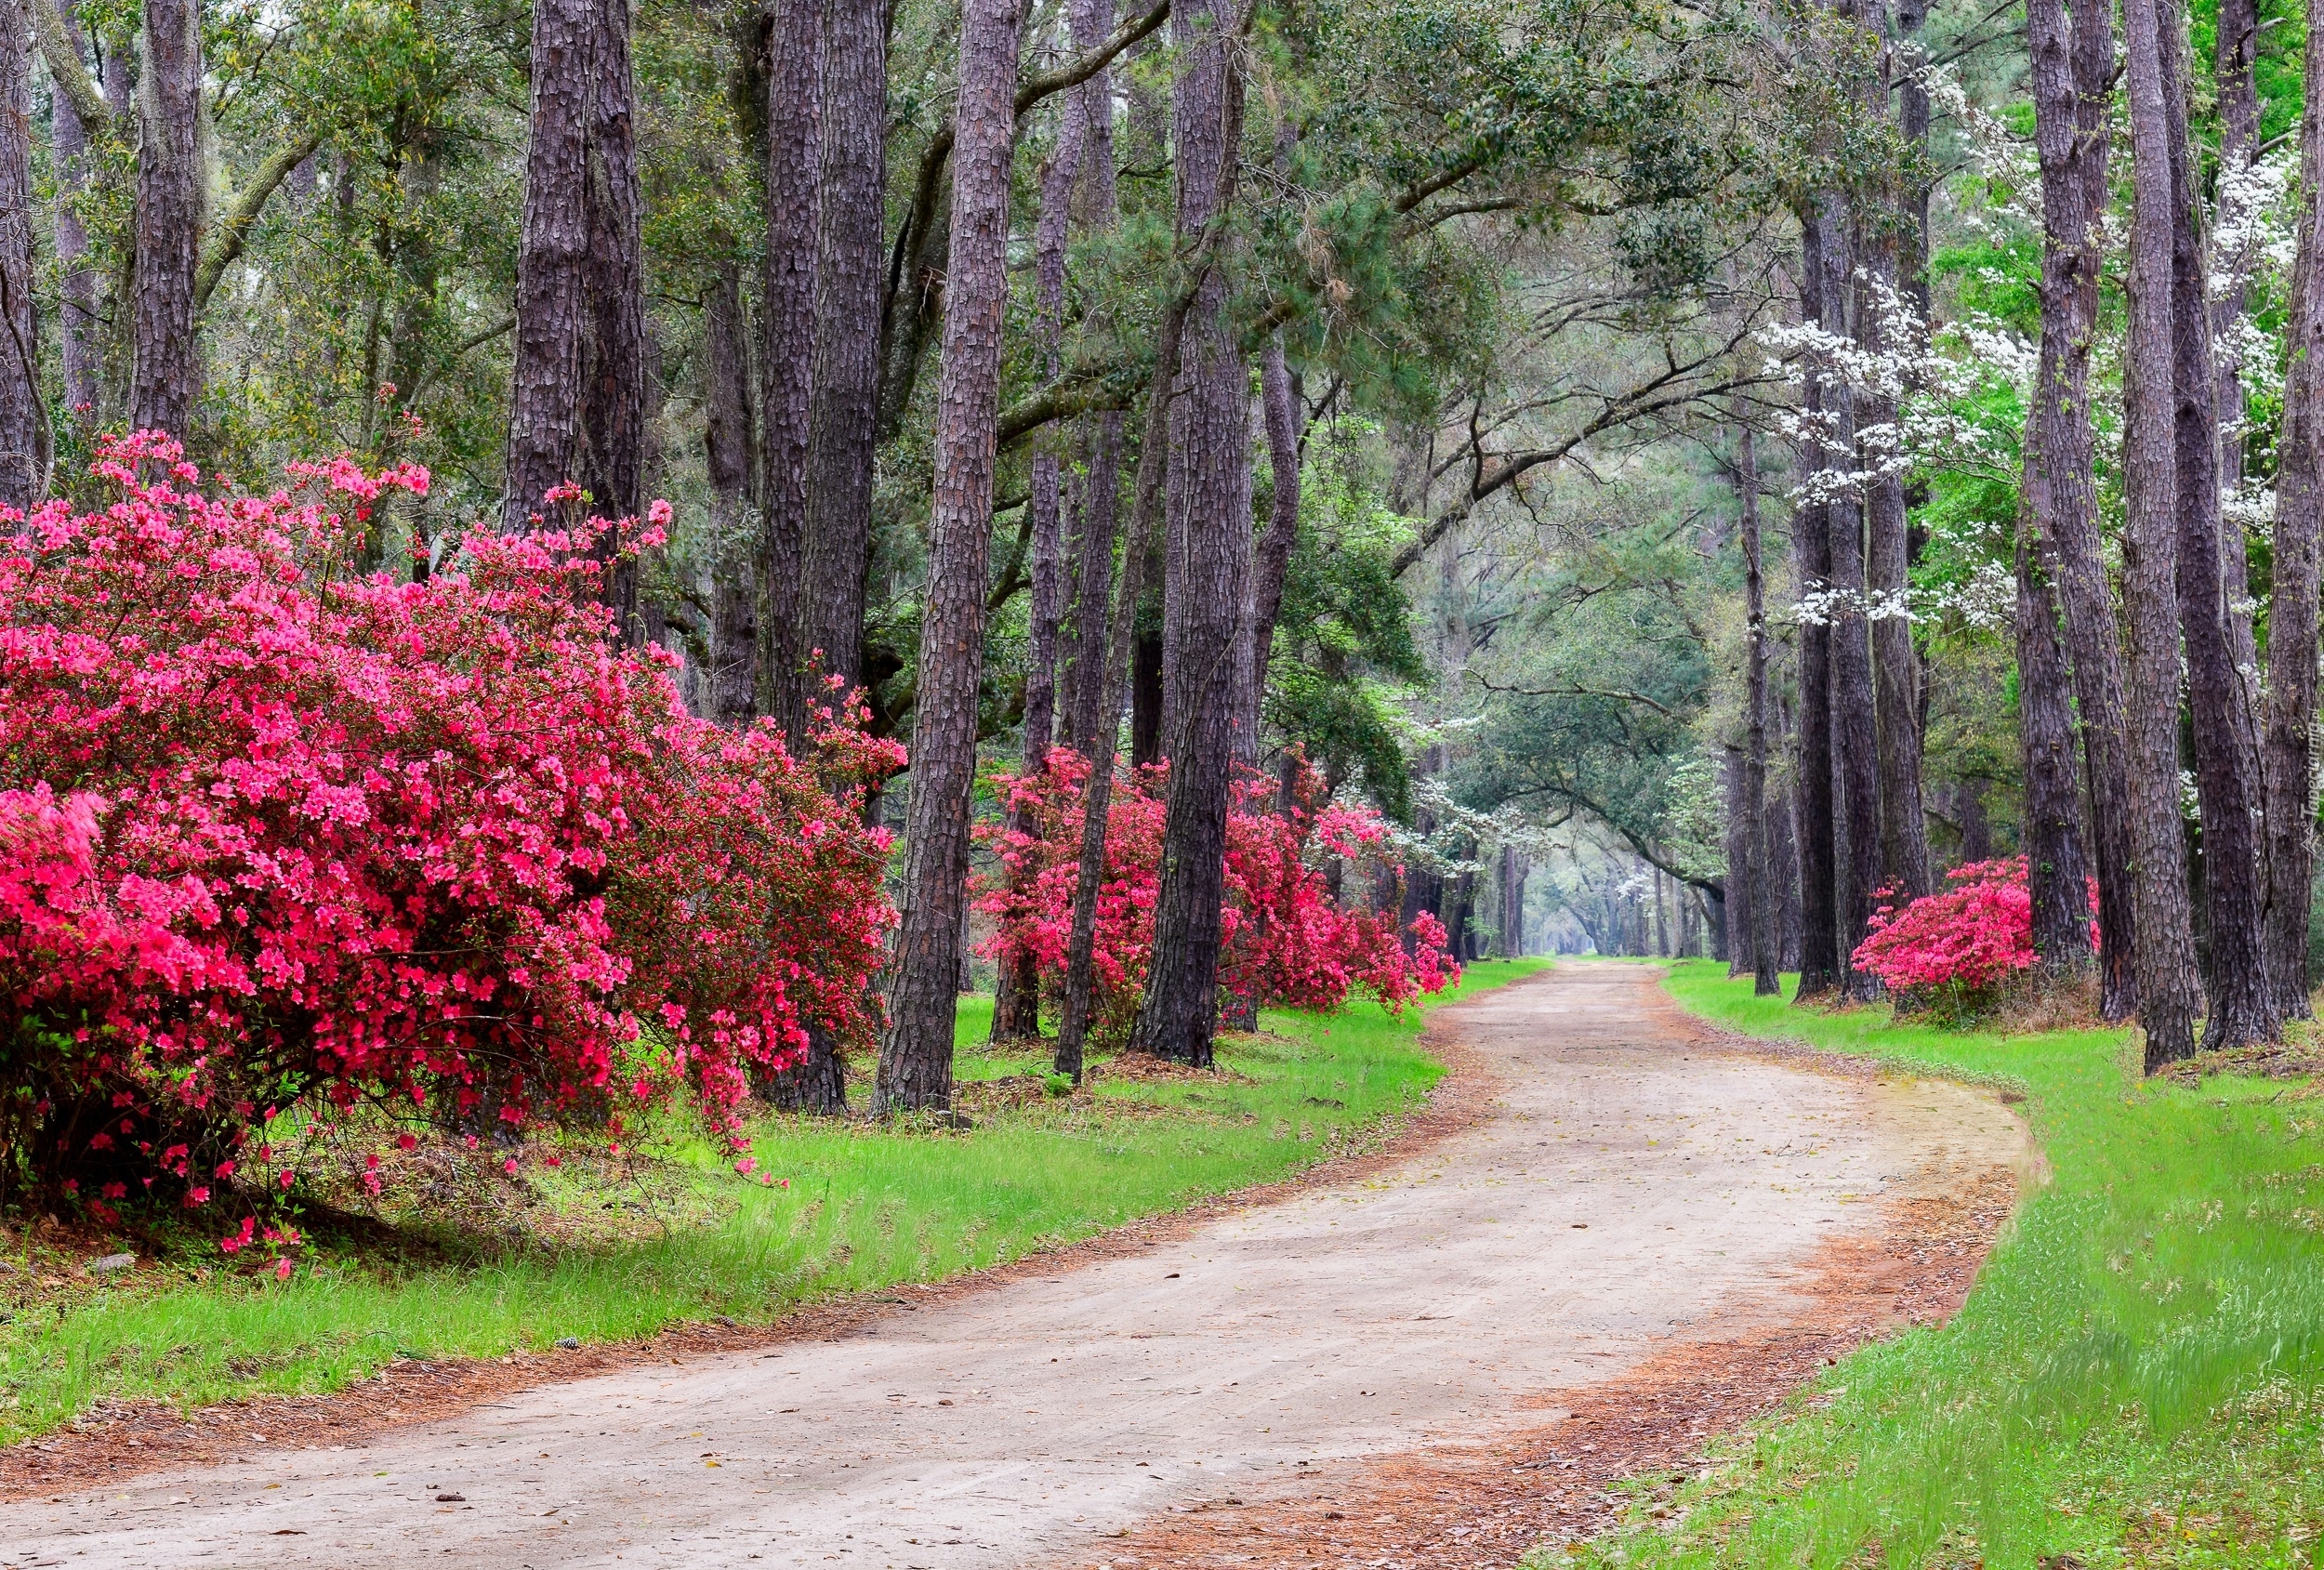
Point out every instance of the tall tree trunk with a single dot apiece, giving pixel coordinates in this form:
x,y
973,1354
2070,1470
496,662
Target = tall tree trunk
x,y
552,261
2168,996
1741,887
2072,55
2291,616
24,451
1017,997
794,174
82,332
1903,834
1145,676
2237,36
1814,820
2227,742
1209,557
614,363
840,452
166,359
1271,561
2053,838
1855,743
1098,208
1154,460
732,687
923,995
1767,953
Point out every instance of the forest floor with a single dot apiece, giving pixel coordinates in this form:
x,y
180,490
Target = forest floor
x,y
1613,1234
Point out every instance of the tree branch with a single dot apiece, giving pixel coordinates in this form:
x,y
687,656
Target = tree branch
x,y
226,240
65,67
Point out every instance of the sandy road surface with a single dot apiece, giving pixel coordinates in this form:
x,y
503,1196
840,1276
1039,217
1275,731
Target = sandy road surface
x,y
1630,1185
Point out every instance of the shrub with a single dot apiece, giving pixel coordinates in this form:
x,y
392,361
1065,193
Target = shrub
x,y
1287,941
1955,950
274,835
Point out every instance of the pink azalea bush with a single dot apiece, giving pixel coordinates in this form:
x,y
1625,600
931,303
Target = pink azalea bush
x,y
1956,947
276,835
1287,941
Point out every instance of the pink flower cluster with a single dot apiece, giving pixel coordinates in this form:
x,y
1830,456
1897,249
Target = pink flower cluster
x,y
1971,936
1287,941
272,831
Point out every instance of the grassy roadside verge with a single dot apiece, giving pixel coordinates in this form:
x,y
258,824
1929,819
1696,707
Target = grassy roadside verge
x,y
2137,1378
864,1207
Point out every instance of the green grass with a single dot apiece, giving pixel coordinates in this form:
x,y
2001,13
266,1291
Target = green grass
x,y
2134,1379
865,1207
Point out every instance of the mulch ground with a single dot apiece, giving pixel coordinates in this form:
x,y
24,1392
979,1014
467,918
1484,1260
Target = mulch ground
x,y
118,1439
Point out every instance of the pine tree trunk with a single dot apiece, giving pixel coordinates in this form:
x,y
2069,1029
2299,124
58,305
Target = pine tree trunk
x,y
1097,209
2051,837
2237,36
81,329
165,358
2072,58
840,452
1017,997
613,345
1903,833
1154,459
1210,560
2291,616
1854,741
1742,926
24,451
733,686
2168,996
1765,902
1814,820
794,174
2226,734
552,262
923,992
1145,677
1271,562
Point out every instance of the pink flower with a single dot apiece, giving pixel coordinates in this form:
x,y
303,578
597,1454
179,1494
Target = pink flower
x,y
282,1270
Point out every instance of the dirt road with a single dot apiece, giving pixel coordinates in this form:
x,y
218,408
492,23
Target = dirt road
x,y
1632,1186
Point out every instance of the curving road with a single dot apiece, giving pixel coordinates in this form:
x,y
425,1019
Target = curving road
x,y
1632,1183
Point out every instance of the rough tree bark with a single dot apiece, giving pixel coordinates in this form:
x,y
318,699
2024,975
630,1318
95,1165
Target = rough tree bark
x,y
923,990
24,448
731,688
1271,561
1765,948
2051,838
1017,997
2168,996
1208,557
786,365
841,450
1742,926
1098,208
1855,743
80,326
552,261
166,360
1903,833
1814,819
2237,36
2291,617
2226,734
2072,58
614,368
1154,459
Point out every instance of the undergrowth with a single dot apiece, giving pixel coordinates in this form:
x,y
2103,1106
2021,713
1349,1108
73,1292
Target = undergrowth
x,y
2136,1380
482,1264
